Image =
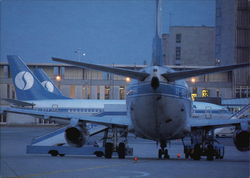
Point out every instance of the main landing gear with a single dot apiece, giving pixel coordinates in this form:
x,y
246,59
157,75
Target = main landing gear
x,y
115,140
163,153
202,143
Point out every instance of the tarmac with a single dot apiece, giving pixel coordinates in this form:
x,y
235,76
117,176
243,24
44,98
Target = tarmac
x,y
14,162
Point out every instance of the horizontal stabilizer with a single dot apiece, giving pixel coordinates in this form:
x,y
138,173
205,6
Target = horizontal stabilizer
x,y
191,73
118,71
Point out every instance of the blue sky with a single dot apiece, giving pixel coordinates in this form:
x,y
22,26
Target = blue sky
x,y
108,31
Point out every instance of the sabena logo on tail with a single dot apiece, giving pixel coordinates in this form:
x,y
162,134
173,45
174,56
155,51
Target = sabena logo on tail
x,y
24,80
48,85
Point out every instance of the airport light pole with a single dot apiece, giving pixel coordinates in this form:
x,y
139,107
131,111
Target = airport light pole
x,y
79,52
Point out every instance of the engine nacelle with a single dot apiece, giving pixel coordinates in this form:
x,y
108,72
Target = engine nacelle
x,y
241,140
76,136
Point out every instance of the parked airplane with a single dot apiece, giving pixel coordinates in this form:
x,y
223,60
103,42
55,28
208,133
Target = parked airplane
x,y
208,111
38,90
61,103
158,108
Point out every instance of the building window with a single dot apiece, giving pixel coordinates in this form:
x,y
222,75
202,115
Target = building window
x,y
56,71
72,91
122,92
107,92
193,96
194,93
205,93
242,92
218,92
98,92
178,53
6,72
8,90
178,38
3,119
195,90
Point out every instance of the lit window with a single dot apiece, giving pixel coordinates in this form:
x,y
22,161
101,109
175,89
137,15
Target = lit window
x,y
193,96
205,93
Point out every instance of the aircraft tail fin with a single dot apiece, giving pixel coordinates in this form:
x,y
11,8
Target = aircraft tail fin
x,y
157,55
46,82
26,83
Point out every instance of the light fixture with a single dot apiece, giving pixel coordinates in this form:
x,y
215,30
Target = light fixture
x,y
193,80
58,78
127,79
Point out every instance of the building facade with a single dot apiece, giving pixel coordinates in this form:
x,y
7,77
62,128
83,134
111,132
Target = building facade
x,y
226,43
189,46
194,47
232,44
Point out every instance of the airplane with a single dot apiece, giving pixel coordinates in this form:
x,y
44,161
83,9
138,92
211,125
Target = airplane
x,y
61,103
209,110
158,105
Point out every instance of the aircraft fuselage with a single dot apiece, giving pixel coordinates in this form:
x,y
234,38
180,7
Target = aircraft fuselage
x,y
159,113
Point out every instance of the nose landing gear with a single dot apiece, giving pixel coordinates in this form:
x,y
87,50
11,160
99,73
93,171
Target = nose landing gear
x,y
162,151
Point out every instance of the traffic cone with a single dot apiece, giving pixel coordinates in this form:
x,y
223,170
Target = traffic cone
x,y
178,155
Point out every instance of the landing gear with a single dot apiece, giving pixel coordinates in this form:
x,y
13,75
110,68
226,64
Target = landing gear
x,y
202,143
196,154
108,150
162,151
53,152
210,150
115,141
121,150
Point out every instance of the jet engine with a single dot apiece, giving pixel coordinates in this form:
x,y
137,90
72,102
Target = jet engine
x,y
241,140
76,136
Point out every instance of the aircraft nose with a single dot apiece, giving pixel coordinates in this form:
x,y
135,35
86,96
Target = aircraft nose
x,y
155,82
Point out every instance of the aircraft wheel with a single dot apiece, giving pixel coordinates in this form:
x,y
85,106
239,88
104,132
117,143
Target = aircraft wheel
x,y
53,152
210,150
166,155
196,154
108,150
121,150
99,153
160,154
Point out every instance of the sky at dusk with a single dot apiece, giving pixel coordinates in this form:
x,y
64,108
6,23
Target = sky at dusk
x,y
106,31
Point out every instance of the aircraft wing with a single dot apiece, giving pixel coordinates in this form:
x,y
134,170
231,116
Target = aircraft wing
x,y
118,71
122,121
217,123
191,73
18,102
